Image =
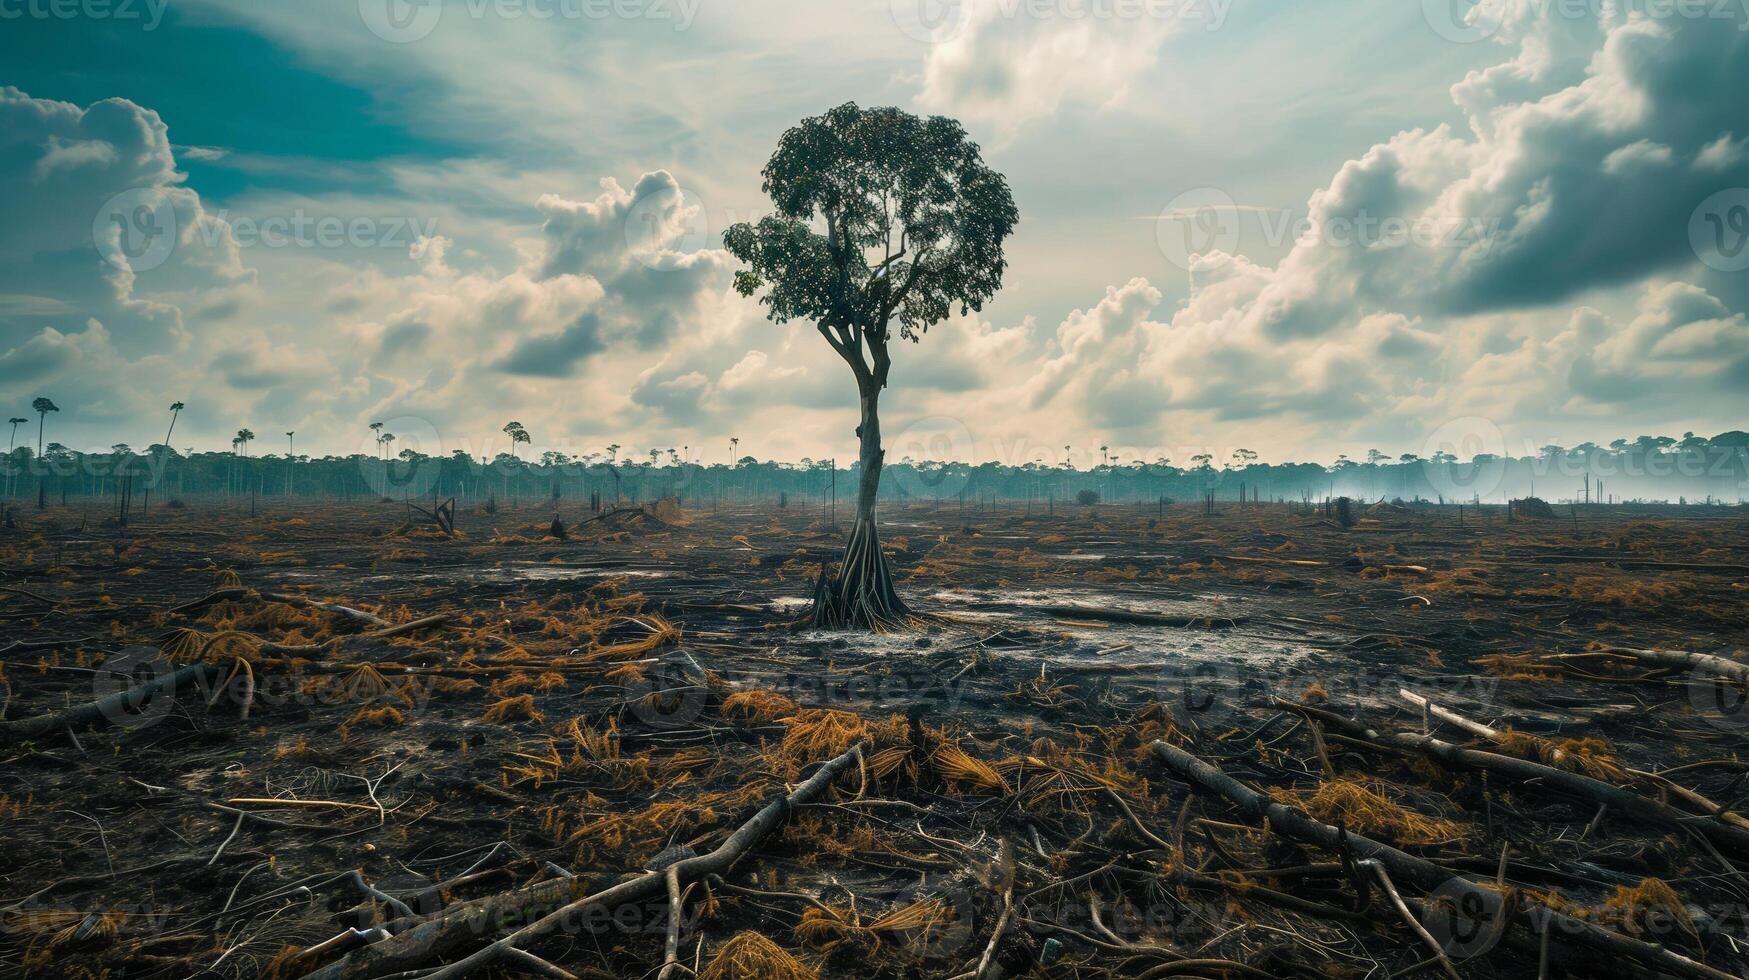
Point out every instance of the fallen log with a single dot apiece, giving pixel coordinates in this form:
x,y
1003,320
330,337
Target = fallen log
x,y
1297,825
1620,800
559,902
1690,661
1559,758
110,707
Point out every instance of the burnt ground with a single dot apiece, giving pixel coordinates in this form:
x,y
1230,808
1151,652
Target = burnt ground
x,y
587,705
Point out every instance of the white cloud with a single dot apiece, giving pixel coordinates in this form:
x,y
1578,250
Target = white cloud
x,y
1008,64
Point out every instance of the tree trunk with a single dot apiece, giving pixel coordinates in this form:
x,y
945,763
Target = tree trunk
x,y
861,595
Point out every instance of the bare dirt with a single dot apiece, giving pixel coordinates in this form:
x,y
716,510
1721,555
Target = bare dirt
x,y
394,723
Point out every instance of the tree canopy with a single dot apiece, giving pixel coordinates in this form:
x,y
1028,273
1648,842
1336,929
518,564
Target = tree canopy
x,y
878,215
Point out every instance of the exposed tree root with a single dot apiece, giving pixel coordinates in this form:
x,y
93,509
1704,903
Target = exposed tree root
x,y
861,595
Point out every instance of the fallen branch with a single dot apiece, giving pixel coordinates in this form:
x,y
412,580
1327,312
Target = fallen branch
x,y
1559,758
1297,825
1690,661
426,941
1620,799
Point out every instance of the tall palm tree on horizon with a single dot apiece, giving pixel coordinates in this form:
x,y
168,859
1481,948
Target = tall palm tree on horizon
x,y
42,407
517,435
175,410
11,478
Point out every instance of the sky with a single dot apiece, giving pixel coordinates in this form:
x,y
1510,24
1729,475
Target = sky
x,y
1302,228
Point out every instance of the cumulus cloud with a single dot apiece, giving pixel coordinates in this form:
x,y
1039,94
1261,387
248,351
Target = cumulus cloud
x,y
1423,282
1529,259
1681,345
1006,64
99,223
633,244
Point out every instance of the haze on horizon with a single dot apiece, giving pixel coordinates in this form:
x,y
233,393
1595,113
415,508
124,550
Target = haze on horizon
x,y
1304,229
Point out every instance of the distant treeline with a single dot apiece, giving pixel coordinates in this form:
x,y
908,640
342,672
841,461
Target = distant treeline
x,y
1650,468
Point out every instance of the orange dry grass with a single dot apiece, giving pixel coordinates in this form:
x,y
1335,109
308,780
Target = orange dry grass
x,y
613,838
597,754
1519,667
827,930
1362,808
962,771
751,956
1649,907
822,733
522,706
661,634
182,644
757,706
369,717
1590,756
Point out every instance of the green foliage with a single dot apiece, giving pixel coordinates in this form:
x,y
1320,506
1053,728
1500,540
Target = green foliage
x,y
878,214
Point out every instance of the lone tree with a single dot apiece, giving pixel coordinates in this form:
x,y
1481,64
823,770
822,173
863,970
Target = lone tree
x,y
879,216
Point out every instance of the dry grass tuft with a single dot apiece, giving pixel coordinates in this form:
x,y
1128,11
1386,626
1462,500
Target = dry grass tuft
x,y
757,707
661,633
914,925
750,956
1363,809
369,717
520,706
822,733
1648,909
1591,756
963,771
182,644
